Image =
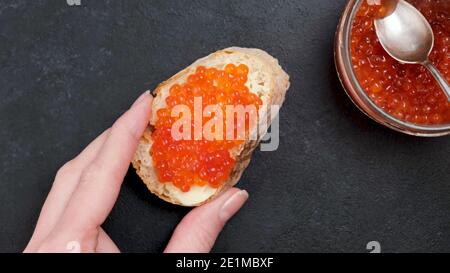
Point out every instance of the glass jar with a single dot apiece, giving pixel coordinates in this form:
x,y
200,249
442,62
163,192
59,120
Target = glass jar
x,y
356,92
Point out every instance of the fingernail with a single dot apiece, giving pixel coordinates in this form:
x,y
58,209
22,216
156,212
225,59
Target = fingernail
x,y
141,98
232,205
141,110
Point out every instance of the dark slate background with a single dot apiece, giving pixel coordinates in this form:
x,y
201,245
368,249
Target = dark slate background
x,y
337,181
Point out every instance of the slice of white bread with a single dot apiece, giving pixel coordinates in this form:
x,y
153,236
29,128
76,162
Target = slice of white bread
x,y
266,78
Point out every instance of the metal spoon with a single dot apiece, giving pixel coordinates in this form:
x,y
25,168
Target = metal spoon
x,y
407,36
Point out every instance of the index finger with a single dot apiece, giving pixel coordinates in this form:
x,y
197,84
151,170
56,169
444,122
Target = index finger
x,y
100,183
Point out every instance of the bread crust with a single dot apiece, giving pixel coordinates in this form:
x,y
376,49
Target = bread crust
x,y
272,91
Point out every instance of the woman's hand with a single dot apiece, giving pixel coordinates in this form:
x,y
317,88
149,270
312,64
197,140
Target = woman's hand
x,y
86,188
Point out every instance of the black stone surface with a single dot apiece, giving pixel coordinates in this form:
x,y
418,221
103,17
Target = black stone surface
x,y
337,181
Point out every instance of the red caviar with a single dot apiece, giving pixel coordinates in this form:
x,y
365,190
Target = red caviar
x,y
200,162
407,92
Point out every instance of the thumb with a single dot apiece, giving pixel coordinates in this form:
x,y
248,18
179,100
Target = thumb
x,y
198,230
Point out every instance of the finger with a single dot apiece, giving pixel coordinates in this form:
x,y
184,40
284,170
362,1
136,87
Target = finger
x,y
199,229
66,181
68,176
105,244
100,182
141,98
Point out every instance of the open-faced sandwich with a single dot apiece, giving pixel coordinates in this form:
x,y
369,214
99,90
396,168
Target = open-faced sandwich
x,y
191,169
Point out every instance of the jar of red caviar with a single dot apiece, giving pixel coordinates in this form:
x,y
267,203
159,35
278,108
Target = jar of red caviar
x,y
402,97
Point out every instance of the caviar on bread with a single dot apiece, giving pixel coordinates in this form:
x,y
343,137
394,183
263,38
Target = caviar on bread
x,y
192,171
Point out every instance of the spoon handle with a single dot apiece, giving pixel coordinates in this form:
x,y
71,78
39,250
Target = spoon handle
x,y
439,78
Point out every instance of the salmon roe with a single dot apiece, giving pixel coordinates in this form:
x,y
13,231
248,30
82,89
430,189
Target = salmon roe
x,y
200,161
407,92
